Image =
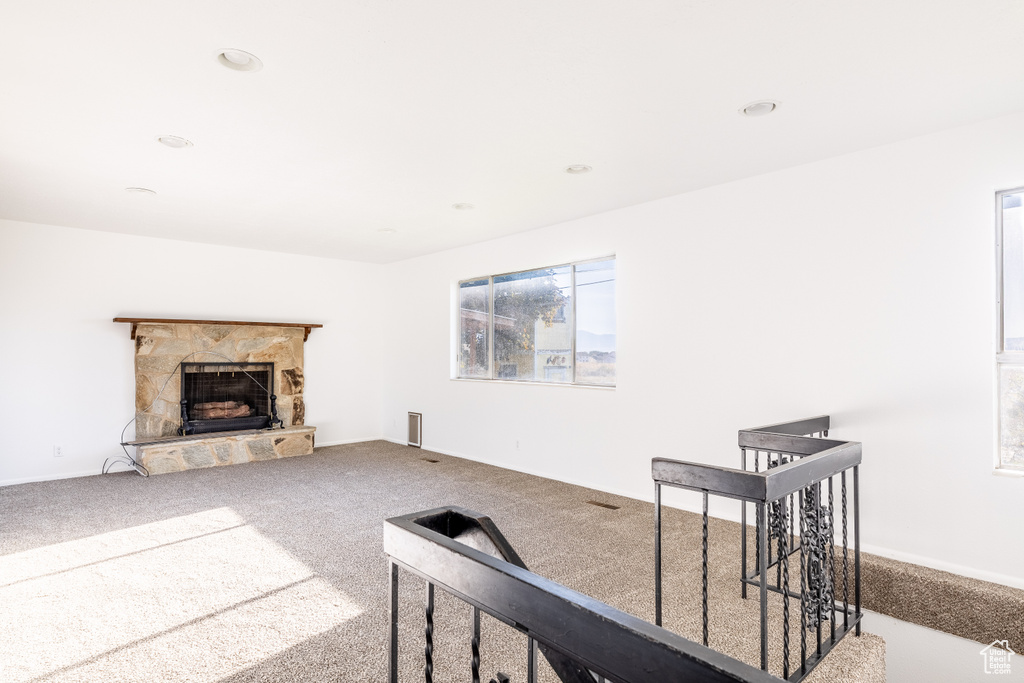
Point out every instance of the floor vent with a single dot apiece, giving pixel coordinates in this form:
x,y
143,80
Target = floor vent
x,y
599,504
429,460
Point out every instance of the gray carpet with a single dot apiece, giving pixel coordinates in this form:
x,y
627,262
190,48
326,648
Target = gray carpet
x,y
274,571
978,610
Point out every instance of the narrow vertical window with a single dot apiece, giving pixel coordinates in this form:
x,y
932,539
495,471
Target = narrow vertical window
x,y
1010,357
474,328
595,322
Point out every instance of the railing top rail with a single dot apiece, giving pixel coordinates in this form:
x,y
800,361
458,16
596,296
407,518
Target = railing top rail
x,y
614,644
797,474
721,481
808,425
785,443
820,459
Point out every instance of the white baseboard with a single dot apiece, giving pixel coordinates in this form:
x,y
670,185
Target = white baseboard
x,y
526,470
969,572
910,558
95,472
50,477
345,442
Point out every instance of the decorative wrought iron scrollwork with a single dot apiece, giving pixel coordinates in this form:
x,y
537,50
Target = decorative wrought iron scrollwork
x,y
778,521
817,528
474,645
428,651
778,514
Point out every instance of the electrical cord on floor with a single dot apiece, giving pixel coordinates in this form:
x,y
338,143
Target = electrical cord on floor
x,y
124,460
127,459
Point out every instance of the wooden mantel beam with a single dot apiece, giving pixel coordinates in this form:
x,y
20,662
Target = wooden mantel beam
x,y
135,323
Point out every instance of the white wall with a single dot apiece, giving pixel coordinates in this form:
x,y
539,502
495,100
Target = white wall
x,y
72,382
861,286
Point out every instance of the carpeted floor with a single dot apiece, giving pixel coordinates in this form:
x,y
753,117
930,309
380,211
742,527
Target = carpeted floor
x,y
274,571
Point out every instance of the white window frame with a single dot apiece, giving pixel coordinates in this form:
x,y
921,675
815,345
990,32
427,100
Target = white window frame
x,y
1003,357
491,370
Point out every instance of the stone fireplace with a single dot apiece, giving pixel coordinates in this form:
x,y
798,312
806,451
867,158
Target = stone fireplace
x,y
211,393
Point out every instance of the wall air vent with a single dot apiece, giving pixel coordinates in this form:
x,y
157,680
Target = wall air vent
x,y
416,429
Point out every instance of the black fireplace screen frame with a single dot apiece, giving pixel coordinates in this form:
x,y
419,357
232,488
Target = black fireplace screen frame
x,y
266,408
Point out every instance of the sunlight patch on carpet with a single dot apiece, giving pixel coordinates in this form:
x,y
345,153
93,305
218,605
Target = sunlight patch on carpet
x,y
197,597
103,547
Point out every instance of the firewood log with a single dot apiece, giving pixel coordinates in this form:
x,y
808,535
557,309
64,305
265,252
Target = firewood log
x,y
218,405
222,413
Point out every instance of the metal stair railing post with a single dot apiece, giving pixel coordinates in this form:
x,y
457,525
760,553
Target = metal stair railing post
x,y
657,554
393,622
788,500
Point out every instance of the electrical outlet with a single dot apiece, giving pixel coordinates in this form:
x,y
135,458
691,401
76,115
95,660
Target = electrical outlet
x,y
517,444
58,451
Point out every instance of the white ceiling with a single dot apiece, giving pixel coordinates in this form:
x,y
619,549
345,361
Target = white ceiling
x,y
377,114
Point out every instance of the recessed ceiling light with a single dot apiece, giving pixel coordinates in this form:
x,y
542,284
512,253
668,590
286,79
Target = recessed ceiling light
x,y
577,169
387,231
759,108
462,206
239,60
139,190
174,141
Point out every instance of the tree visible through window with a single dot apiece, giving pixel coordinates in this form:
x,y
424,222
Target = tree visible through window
x,y
552,324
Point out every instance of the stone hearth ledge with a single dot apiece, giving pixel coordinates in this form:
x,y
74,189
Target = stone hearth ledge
x,y
176,454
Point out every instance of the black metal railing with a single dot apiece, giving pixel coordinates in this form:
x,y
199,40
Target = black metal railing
x,y
584,640
793,491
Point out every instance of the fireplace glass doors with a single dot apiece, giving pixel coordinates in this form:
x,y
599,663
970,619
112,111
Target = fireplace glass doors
x,y
224,397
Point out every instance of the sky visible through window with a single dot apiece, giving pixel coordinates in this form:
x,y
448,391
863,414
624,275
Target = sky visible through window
x,y
1013,272
596,283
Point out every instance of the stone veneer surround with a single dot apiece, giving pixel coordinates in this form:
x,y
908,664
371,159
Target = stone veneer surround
x,y
224,448
160,346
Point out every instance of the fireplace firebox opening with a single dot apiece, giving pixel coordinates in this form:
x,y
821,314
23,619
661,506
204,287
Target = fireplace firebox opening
x,y
224,397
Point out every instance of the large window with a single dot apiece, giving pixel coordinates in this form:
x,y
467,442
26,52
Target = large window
x,y
1010,353
552,324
